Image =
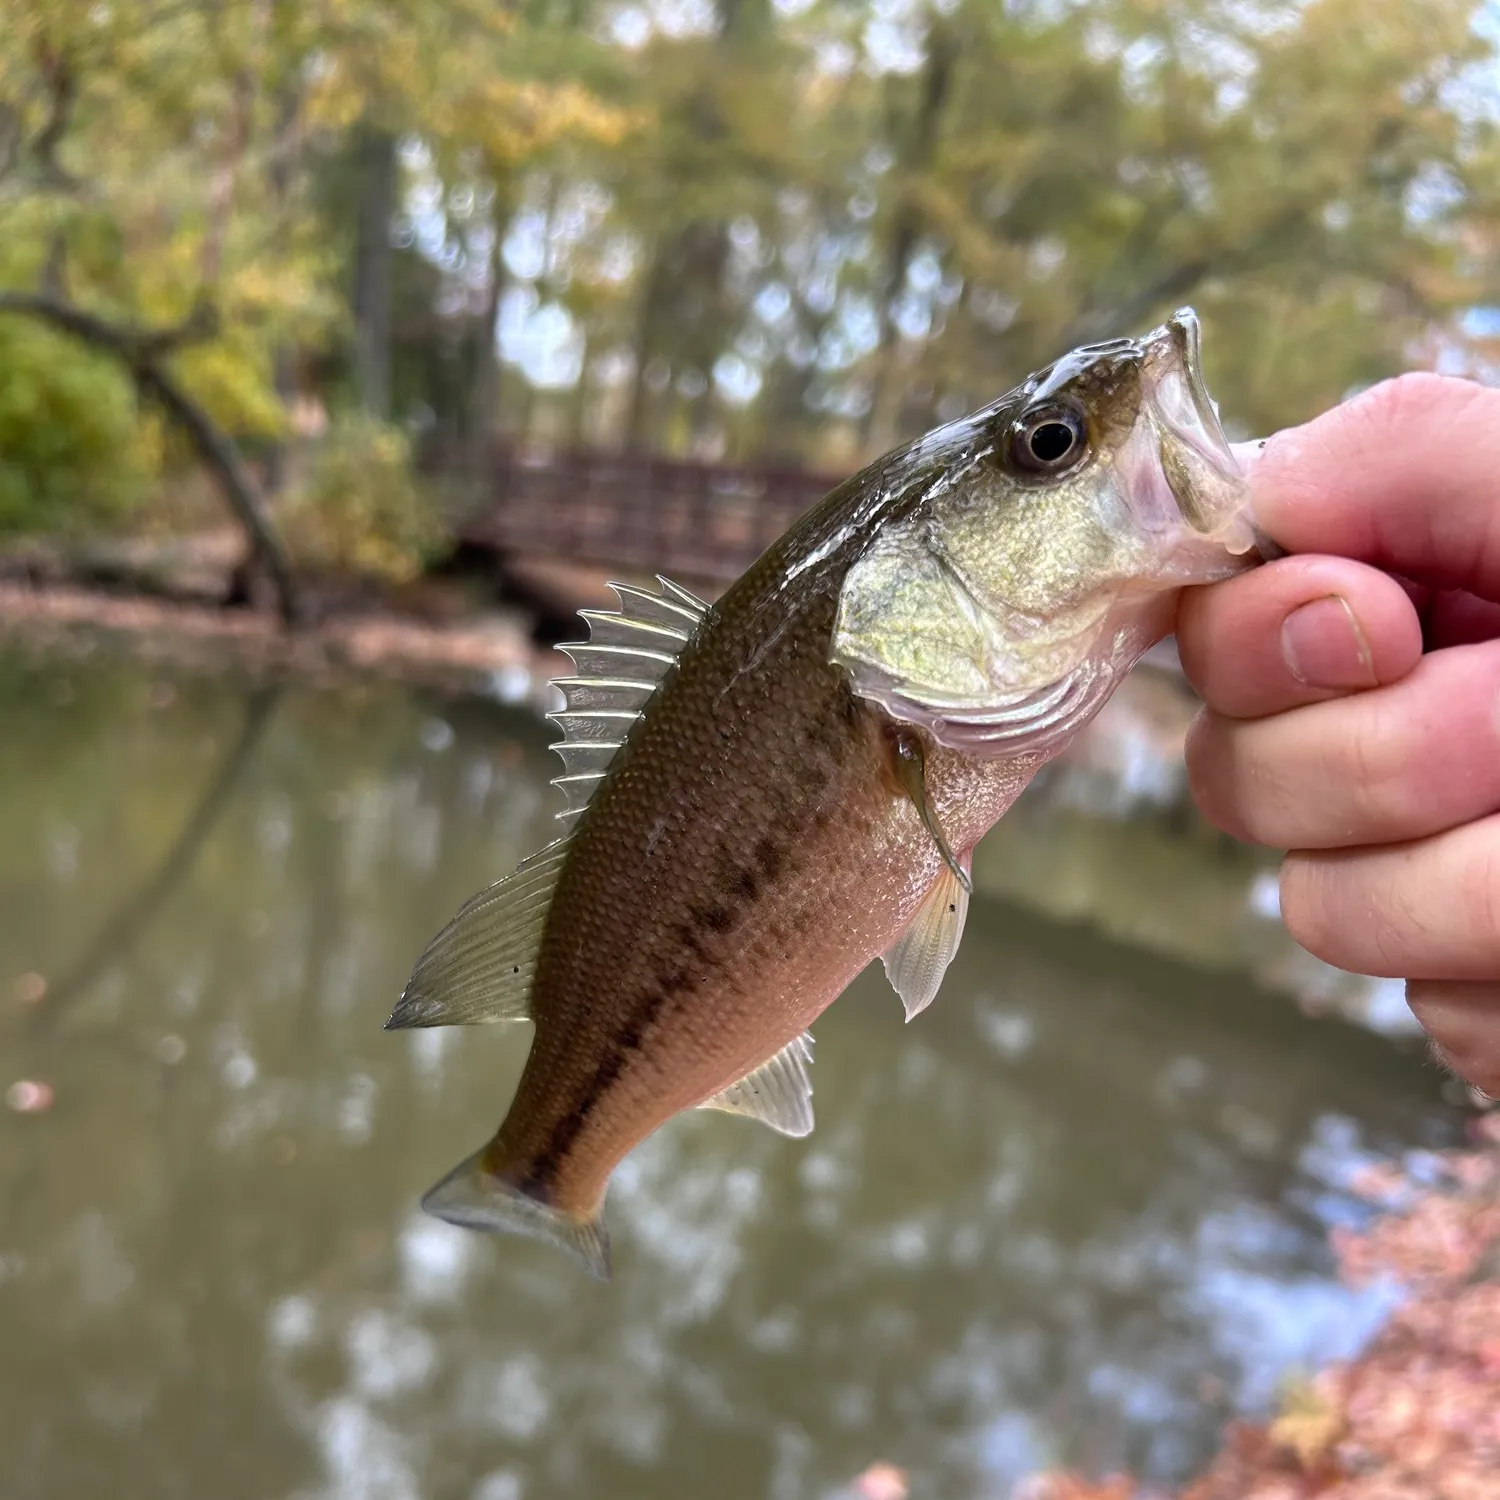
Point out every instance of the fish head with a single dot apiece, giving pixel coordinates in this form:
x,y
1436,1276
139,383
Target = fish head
x,y
1038,547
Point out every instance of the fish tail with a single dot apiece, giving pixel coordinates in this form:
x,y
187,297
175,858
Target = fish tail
x,y
475,1196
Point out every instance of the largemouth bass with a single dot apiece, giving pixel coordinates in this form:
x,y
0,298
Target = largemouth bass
x,y
768,793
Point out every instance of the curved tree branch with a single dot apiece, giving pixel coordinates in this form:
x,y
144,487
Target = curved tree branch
x,y
141,351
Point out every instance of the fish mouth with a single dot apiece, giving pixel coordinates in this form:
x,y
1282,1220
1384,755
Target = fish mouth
x,y
1173,371
1188,476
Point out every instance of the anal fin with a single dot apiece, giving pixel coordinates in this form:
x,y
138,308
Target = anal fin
x,y
473,1197
778,1093
917,960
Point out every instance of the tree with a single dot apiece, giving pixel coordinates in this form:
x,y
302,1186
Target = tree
x,y
799,229
154,161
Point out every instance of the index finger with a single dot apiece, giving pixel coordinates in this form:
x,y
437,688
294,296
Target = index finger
x,y
1406,477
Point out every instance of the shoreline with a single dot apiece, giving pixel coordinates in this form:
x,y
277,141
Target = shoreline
x,y
488,654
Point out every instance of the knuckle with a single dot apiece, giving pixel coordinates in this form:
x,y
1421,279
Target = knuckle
x,y
1195,632
1416,396
1209,772
1462,1023
1307,908
1371,771
1478,897
1403,923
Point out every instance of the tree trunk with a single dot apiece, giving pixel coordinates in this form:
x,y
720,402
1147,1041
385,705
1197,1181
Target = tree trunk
x,y
647,338
878,430
373,256
484,394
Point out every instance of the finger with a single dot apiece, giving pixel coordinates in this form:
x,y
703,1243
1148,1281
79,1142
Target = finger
x,y
1406,477
1429,910
1451,618
1384,767
1296,631
1463,1021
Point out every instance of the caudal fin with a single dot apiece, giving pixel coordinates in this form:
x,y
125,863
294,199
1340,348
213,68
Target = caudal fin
x,y
473,1197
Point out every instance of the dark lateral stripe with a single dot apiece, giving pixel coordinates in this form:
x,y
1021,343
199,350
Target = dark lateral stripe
x,y
770,857
544,1166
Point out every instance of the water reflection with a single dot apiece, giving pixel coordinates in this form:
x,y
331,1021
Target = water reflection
x,y
1076,1212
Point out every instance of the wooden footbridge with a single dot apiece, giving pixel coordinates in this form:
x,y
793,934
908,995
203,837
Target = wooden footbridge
x,y
701,523
689,520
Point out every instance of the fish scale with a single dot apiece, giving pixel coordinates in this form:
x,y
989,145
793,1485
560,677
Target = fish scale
x,y
765,795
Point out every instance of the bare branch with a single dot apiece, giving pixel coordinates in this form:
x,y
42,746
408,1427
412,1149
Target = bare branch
x,y
1099,326
200,325
141,351
1117,321
10,137
61,80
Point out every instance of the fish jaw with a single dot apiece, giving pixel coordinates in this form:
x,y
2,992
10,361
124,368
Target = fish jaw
x,y
1001,614
1181,479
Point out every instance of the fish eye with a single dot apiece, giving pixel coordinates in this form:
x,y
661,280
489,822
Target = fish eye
x,y
1048,439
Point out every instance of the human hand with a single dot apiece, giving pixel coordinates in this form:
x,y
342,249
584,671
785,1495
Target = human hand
x,y
1353,717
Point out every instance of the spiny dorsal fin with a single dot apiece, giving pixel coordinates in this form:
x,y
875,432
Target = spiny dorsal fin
x,y
779,1092
627,653
917,960
480,966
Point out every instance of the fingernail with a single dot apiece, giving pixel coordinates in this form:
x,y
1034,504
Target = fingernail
x,y
1324,647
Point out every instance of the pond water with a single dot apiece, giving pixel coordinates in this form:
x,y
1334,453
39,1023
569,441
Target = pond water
x,y
1076,1213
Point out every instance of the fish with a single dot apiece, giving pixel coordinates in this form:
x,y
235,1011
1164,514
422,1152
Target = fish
x,y
765,794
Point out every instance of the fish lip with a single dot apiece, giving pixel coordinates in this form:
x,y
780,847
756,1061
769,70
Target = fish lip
x,y
1173,353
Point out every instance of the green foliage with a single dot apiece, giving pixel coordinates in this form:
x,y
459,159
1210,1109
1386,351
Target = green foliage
x,y
159,160
361,510
807,230
70,449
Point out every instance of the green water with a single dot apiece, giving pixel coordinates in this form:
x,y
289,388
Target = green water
x,y
1077,1212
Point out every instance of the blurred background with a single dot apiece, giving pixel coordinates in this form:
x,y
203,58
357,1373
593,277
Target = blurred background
x,y
410,323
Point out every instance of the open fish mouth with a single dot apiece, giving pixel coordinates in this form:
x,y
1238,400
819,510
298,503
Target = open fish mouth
x,y
1174,385
1197,478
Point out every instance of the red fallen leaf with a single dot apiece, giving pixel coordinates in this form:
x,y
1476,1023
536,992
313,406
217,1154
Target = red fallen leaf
x,y
1065,1486
1384,1180
881,1481
31,988
28,1097
1415,1416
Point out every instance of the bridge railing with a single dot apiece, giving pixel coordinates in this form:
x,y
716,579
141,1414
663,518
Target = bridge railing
x,y
694,520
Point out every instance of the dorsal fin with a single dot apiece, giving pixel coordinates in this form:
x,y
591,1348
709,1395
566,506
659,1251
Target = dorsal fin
x,y
778,1093
627,653
480,966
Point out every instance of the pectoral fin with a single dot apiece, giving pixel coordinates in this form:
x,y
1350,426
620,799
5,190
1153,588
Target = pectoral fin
x,y
778,1093
918,959
910,766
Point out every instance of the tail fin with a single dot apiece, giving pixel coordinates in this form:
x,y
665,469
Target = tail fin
x,y
473,1197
